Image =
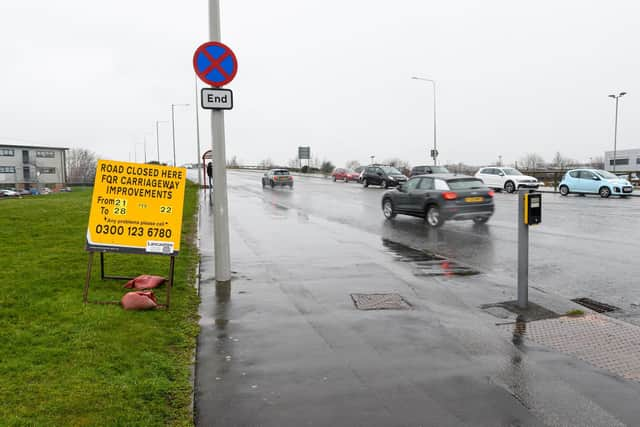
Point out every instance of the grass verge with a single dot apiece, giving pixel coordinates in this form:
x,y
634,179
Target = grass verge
x,y
64,363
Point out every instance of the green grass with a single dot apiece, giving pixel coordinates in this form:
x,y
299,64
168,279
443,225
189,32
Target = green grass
x,y
66,363
575,312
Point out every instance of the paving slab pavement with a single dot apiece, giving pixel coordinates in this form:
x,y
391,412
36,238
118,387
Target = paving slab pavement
x,y
285,345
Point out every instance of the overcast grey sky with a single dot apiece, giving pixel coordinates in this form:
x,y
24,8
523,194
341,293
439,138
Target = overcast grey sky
x,y
335,75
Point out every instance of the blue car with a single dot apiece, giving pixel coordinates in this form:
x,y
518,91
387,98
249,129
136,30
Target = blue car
x,y
594,181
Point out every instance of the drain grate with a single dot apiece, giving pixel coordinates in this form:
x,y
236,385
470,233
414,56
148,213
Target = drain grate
x,y
379,302
597,306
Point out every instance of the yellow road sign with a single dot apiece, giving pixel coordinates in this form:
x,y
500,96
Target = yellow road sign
x,y
136,208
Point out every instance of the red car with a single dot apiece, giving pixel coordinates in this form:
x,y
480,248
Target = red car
x,y
346,175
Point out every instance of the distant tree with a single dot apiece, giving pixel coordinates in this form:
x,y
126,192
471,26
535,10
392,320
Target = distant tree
x,y
561,162
352,164
597,162
233,163
531,161
265,164
327,167
402,165
81,166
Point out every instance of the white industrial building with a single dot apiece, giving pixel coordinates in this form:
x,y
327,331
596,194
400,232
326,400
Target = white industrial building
x,y
26,167
626,160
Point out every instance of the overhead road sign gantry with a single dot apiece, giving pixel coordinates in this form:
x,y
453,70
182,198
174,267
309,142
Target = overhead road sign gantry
x,y
215,63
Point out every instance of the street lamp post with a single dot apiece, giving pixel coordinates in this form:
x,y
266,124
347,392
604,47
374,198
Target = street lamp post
x,y
173,129
435,147
615,128
158,137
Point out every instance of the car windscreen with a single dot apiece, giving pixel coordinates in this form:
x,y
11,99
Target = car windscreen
x,y
465,184
511,171
606,175
391,170
281,172
439,169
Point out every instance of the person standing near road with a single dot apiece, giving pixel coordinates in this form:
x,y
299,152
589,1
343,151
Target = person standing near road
x,y
210,173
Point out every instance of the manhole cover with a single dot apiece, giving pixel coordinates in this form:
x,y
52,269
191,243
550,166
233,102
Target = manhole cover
x,y
379,302
597,306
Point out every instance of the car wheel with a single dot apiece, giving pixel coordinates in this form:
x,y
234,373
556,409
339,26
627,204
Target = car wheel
x,y
387,209
334,178
263,184
273,184
290,186
604,192
432,217
346,180
365,183
481,219
564,190
385,184
509,187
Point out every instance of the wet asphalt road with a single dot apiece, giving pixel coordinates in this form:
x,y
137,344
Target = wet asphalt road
x,y
585,246
284,344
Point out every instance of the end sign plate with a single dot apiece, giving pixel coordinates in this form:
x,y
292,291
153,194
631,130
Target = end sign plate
x,y
216,99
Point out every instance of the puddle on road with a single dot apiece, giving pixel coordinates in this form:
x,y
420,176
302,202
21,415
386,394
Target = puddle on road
x,y
427,263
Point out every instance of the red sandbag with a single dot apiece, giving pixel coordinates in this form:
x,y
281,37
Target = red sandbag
x,y
145,281
139,301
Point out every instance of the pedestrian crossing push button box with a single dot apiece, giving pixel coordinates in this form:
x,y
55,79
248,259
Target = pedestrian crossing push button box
x,y
532,208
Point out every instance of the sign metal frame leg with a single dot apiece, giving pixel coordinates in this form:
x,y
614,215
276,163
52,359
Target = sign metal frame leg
x,y
103,276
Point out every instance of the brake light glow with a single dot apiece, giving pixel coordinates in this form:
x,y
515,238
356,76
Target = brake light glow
x,y
449,195
491,193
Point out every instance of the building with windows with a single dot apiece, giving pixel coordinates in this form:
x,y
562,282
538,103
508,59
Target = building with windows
x,y
626,160
26,167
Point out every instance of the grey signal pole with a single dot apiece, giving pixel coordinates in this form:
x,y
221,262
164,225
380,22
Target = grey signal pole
x,y
220,202
615,129
523,253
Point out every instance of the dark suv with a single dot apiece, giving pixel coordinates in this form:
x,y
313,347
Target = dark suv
x,y
421,170
440,197
386,176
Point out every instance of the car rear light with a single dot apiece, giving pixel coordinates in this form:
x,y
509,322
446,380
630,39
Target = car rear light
x,y
491,193
449,195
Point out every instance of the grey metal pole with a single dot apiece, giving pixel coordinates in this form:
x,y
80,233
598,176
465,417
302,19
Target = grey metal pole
x,y
198,132
220,202
157,142
523,253
173,132
145,148
615,136
435,149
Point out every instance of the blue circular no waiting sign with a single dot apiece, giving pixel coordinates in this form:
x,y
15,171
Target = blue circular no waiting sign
x,y
215,63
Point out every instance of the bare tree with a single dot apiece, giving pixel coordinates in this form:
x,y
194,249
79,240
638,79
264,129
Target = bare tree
x,y
561,162
81,166
352,164
265,164
531,161
597,162
233,163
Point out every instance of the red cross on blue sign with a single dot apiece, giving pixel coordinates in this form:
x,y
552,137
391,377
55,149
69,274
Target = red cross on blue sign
x,y
215,63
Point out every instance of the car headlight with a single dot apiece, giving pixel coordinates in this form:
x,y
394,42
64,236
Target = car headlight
x,y
392,178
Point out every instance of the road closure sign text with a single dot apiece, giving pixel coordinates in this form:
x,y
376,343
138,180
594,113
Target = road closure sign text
x,y
136,208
